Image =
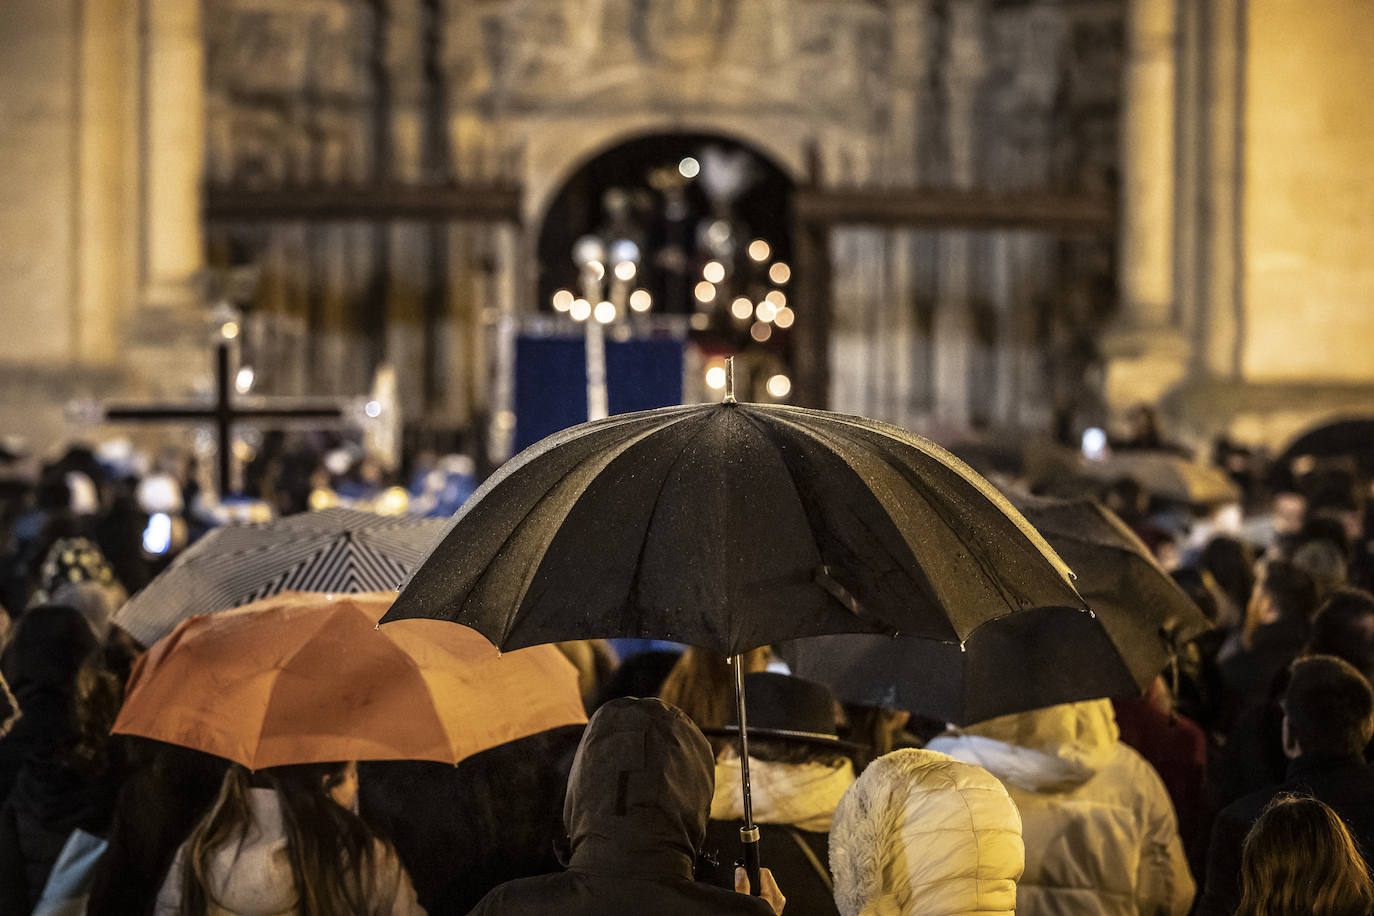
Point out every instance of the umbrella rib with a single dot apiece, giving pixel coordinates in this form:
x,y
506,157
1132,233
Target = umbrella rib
x,y
857,607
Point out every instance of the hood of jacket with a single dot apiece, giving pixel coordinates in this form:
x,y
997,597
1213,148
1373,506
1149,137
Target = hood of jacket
x,y
639,791
1056,749
920,832
803,795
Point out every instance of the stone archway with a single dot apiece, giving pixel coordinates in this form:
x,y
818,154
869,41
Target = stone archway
x,y
666,213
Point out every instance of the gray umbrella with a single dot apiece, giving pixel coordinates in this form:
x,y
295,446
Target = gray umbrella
x,y
333,550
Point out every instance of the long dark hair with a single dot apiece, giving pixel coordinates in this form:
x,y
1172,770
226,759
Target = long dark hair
x,y
331,850
1299,860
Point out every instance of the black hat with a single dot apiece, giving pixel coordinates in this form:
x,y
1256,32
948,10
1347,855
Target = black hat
x,y
788,708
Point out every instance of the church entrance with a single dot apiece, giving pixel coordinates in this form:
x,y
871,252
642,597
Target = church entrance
x,y
682,235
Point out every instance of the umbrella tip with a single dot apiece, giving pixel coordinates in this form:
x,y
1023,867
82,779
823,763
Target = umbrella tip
x,y
729,381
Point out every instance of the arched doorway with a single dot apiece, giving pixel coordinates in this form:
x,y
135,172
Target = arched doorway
x,y
692,226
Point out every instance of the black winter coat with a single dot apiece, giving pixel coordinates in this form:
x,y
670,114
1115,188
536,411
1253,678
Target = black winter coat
x,y
1344,783
638,798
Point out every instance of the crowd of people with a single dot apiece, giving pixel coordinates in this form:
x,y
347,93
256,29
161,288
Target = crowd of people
x,y
1238,783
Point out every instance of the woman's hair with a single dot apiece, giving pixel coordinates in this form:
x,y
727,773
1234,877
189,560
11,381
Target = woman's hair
x,y
330,849
702,684
1299,860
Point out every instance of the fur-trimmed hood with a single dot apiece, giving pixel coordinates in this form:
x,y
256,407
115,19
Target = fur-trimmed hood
x,y
920,832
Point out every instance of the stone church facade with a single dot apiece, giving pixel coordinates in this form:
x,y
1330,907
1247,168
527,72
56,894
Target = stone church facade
x,y
162,141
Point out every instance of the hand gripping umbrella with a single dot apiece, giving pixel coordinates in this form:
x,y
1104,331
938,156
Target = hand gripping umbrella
x,y
732,526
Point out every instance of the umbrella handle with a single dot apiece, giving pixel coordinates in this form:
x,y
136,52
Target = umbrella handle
x,y
749,838
749,833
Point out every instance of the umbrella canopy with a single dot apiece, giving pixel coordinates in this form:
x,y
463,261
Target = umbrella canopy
x,y
1353,437
307,678
1168,476
731,526
1143,609
335,551
1039,658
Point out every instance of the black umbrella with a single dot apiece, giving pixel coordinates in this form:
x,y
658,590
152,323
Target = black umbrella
x,y
1040,658
1143,609
1352,437
731,526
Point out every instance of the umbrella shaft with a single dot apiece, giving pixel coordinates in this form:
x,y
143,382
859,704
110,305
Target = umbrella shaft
x,y
738,663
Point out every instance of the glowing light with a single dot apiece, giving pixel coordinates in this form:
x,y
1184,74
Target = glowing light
x,y
779,386
688,167
229,330
605,312
759,250
563,300
706,292
776,297
624,250
761,331
587,249
780,273
393,501
715,377
714,271
373,409
784,318
625,270
323,499
766,311
598,269
243,382
157,537
580,310
1094,444
741,308
700,321
641,301
718,233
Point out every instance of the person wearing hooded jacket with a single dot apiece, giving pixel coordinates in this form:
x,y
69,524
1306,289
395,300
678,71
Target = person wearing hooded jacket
x,y
638,798
922,834
1100,832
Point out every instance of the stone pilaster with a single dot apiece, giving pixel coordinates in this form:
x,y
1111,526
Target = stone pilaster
x,y
1147,350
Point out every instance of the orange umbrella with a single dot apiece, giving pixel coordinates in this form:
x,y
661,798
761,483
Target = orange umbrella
x,y
307,678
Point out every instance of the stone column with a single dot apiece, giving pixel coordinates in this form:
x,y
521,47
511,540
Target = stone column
x,y
965,68
1146,349
167,342
174,152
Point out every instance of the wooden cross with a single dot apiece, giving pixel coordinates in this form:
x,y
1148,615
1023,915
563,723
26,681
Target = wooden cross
x,y
222,413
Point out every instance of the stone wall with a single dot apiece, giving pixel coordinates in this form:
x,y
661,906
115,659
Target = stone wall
x,y
1309,204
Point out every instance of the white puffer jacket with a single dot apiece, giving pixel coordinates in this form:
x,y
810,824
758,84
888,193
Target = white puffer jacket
x,y
1100,831
921,834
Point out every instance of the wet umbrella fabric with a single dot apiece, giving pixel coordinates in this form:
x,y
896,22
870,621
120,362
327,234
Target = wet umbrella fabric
x,y
1145,612
731,526
1040,658
1353,437
307,678
1167,476
332,551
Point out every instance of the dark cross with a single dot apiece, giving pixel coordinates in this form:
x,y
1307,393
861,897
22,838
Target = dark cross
x,y
222,412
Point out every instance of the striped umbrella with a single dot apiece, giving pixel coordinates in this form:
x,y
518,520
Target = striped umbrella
x,y
340,551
